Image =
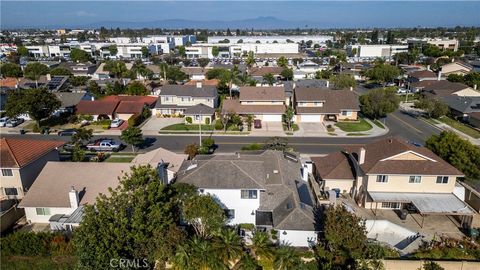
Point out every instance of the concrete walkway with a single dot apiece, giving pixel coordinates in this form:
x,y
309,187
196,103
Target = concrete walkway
x,y
306,130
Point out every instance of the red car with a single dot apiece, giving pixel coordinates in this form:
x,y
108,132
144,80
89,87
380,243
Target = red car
x,y
257,123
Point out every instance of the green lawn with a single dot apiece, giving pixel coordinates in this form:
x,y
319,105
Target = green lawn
x,y
354,126
379,124
356,134
120,159
37,263
460,127
184,127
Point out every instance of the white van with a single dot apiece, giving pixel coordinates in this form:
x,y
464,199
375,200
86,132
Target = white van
x,y
3,121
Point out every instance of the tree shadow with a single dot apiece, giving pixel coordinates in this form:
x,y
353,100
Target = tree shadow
x,y
147,142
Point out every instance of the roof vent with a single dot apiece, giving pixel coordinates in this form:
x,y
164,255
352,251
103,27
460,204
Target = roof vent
x,y
275,171
290,156
193,166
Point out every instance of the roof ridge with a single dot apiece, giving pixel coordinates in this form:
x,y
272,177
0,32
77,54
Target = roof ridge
x,y
11,151
231,161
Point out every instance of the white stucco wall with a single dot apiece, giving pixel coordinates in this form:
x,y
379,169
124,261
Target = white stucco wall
x,y
231,199
297,238
31,213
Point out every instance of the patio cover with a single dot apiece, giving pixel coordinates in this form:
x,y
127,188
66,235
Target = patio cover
x,y
427,203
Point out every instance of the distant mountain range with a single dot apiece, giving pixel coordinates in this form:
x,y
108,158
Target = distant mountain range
x,y
256,23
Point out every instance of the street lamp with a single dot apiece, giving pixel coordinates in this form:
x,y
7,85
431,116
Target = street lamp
x,y
199,128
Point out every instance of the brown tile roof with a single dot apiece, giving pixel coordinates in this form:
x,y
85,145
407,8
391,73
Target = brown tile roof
x,y
96,107
334,100
252,93
130,107
8,82
385,148
333,166
212,82
110,104
148,100
265,70
16,153
423,74
52,185
475,115
194,70
233,105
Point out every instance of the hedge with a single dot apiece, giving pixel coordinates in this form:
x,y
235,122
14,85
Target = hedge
x,y
36,244
188,119
135,120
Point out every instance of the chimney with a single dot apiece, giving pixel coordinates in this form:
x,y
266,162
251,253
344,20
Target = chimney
x,y
49,77
199,84
73,197
439,75
361,157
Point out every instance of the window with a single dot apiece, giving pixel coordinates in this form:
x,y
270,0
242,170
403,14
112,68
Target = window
x,y
319,104
43,211
382,178
11,191
230,213
442,179
249,194
166,98
197,117
346,113
391,205
7,172
415,179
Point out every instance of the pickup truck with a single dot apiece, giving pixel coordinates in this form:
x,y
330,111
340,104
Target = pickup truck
x,y
104,145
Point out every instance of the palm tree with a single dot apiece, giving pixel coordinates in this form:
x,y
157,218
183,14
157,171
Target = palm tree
x,y
247,262
286,258
233,78
269,78
262,246
244,79
182,259
250,61
228,246
203,255
282,61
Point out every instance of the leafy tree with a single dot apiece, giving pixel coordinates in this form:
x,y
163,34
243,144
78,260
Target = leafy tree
x,y
94,89
132,136
137,88
287,74
323,74
379,102
250,61
37,103
141,214
215,51
173,73
78,80
456,78
191,150
344,240
433,107
78,55
59,71
204,214
140,69
34,70
269,78
286,258
10,70
82,136
198,253
117,68
288,116
113,50
145,52
181,51
249,121
374,37
262,247
247,262
78,154
429,265
203,62
276,143
472,79
460,153
343,81
282,62
383,73
22,51
228,245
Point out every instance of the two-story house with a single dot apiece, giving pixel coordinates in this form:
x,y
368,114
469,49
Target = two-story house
x,y
21,160
394,174
266,189
264,103
322,104
175,99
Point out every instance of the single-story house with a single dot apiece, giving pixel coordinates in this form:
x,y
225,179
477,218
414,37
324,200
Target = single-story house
x,y
461,106
457,67
111,107
195,73
70,100
443,88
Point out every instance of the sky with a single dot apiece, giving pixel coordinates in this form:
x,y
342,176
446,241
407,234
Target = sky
x,y
329,14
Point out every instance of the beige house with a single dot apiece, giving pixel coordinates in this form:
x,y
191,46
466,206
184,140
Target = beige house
x,y
175,99
199,114
459,68
21,160
167,162
318,104
394,174
264,103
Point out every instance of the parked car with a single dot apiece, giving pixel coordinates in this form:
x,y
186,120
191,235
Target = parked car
x,y
402,91
116,123
67,132
257,123
104,145
14,122
3,121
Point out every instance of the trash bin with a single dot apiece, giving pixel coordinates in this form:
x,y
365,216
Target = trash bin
x,y
22,131
473,233
403,214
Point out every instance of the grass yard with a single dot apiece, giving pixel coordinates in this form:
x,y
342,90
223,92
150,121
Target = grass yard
x,y
356,134
37,263
184,127
119,159
460,127
379,124
354,126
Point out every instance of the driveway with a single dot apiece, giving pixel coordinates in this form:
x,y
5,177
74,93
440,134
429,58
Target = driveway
x,y
269,129
311,129
154,124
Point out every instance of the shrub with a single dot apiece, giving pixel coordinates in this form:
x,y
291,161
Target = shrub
x,y
35,244
246,226
135,120
218,125
146,113
188,119
208,142
207,121
253,146
84,117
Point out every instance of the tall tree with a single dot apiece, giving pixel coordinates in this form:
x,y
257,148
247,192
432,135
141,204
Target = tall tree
x,y
229,246
379,102
60,71
343,81
269,78
37,103
22,51
78,55
250,61
286,258
137,88
132,136
204,214
215,51
282,62
113,50
434,108
288,117
287,74
383,73
34,70
10,70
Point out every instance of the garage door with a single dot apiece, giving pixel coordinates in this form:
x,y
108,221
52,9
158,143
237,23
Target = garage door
x,y
311,118
272,117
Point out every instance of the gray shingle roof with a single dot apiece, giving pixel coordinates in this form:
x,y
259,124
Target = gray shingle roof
x,y
188,90
463,104
201,109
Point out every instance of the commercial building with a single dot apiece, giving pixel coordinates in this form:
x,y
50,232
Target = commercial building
x,y
372,51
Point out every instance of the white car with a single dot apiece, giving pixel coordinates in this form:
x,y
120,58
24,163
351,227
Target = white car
x,y
116,123
3,121
402,91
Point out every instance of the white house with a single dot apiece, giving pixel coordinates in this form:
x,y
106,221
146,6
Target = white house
x,y
268,189
378,50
